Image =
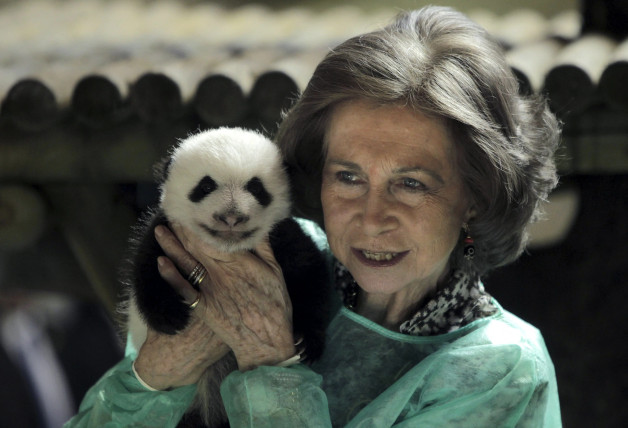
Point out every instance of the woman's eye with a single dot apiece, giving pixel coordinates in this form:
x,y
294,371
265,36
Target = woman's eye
x,y
347,177
412,184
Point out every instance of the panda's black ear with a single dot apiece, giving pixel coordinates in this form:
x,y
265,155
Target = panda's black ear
x,y
161,170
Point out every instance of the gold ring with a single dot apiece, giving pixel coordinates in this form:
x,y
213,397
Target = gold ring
x,y
198,275
195,303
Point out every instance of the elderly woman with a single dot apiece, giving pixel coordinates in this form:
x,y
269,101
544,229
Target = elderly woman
x,y
413,150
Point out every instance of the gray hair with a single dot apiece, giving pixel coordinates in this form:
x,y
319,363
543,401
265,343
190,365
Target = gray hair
x,y
437,61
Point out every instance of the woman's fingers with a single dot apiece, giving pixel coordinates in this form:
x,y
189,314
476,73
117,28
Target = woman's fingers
x,y
174,249
179,256
247,304
172,276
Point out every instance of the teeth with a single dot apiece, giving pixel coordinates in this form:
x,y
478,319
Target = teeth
x,y
379,256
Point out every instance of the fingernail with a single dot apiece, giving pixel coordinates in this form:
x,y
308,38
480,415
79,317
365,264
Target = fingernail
x,y
159,231
160,261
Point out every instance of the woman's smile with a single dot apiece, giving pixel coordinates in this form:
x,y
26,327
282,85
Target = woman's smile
x,y
379,259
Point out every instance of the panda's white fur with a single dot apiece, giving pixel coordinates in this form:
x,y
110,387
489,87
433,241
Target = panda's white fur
x,y
231,157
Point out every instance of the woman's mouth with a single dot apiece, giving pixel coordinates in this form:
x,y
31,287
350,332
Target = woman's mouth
x,y
378,259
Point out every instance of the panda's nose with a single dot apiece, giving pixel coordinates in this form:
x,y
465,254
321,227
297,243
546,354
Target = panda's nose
x,y
231,219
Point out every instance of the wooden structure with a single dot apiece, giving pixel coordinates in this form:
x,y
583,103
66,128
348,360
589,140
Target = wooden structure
x,y
93,94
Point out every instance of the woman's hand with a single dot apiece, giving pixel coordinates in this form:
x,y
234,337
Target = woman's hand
x,y
166,361
243,299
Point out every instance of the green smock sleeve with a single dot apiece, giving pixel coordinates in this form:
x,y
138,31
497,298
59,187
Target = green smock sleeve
x,y
118,399
275,397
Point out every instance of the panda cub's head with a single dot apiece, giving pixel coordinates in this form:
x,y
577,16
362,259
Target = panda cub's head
x,y
228,185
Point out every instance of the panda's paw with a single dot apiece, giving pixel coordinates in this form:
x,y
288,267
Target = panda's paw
x,y
172,320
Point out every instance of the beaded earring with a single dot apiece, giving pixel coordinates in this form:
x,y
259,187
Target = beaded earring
x,y
469,247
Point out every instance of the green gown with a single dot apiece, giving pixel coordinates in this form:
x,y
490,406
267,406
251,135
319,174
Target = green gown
x,y
493,372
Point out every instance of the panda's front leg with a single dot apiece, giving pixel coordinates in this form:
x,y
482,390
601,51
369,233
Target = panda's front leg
x,y
160,306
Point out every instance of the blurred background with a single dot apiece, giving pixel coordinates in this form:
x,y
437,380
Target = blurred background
x,y
93,93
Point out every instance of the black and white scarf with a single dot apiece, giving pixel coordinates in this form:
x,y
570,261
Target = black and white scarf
x,y
461,301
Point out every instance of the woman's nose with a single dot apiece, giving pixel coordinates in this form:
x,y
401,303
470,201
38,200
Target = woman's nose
x,y
378,214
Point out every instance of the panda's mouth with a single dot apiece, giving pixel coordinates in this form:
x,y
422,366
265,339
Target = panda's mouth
x,y
230,235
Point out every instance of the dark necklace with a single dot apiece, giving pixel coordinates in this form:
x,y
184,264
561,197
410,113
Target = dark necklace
x,y
347,286
350,299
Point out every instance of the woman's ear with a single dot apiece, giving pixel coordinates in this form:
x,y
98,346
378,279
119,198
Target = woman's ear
x,y
470,214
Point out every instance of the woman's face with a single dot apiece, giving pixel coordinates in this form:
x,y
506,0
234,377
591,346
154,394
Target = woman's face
x,y
393,199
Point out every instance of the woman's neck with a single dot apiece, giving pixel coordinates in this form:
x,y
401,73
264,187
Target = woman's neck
x,y
389,310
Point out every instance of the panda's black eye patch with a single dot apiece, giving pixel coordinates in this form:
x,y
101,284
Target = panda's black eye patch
x,y
204,187
256,188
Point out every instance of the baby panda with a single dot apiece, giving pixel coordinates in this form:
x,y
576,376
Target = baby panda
x,y
229,187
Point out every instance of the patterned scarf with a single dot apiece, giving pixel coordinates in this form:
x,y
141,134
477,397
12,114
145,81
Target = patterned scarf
x,y
461,301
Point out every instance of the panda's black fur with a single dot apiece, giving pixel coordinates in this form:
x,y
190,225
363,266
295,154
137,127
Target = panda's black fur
x,y
243,173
